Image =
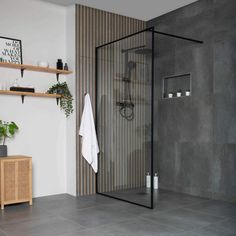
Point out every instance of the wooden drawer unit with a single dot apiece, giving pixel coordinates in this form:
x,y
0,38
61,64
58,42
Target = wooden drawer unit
x,y
15,180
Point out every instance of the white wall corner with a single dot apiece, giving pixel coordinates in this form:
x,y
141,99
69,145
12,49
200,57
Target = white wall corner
x,y
71,121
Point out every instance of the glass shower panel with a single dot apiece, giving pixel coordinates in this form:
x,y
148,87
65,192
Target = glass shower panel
x,y
124,75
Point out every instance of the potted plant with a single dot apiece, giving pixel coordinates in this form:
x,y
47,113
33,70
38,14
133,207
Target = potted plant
x,y
170,95
7,130
179,93
66,97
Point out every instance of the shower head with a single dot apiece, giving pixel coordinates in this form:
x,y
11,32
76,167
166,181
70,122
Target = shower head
x,y
143,51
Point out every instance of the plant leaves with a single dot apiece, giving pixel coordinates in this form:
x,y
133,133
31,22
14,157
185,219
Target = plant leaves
x,y
66,99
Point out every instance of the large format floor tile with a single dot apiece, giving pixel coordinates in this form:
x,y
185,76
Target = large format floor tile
x,y
100,215
183,219
225,227
215,208
174,214
50,226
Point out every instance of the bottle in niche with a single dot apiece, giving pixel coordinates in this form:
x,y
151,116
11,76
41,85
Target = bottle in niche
x,y
148,180
59,64
66,67
155,181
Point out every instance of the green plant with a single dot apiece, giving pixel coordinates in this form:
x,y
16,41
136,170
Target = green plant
x,y
66,97
7,130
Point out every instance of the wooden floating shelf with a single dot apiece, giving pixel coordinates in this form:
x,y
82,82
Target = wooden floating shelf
x,y
29,94
23,67
47,95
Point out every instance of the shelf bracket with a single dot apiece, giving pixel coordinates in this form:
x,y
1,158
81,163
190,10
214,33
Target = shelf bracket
x,y
22,99
22,72
58,77
57,100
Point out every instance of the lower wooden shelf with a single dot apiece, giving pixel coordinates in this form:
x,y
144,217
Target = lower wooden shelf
x,y
23,94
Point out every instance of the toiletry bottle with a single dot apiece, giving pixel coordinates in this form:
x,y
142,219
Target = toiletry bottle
x,y
59,64
148,180
156,181
66,67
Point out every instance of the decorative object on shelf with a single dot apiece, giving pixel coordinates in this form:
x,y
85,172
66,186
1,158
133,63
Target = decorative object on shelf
x,y
22,89
66,67
44,64
66,97
187,93
59,64
4,86
170,95
179,93
7,130
11,50
16,83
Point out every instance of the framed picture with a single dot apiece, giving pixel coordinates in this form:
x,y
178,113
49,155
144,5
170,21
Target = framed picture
x,y
10,50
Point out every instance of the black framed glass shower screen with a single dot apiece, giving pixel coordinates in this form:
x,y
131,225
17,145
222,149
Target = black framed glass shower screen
x,y
124,110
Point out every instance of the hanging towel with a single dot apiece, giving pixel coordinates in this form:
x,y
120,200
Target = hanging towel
x,y
87,130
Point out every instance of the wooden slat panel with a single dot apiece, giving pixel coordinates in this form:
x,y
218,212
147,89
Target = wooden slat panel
x,y
93,28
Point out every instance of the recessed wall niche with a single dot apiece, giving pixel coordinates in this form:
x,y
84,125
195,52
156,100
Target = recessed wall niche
x,y
176,86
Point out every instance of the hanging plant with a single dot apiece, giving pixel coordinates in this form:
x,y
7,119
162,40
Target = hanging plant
x,y
66,97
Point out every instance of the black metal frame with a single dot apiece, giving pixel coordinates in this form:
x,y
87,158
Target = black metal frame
x,y
21,57
152,30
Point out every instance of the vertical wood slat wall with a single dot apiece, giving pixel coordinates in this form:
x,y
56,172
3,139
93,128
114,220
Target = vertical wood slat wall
x,y
93,28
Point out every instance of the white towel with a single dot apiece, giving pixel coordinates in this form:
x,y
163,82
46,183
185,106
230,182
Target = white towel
x,y
87,130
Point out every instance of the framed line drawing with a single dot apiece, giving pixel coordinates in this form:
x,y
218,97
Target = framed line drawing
x,y
10,50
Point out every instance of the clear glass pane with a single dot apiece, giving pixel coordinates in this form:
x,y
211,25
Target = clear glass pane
x,y
124,118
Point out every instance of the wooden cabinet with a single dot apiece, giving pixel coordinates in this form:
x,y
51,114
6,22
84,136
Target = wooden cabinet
x,y
15,180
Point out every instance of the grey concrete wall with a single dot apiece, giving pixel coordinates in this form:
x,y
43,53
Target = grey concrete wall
x,y
195,137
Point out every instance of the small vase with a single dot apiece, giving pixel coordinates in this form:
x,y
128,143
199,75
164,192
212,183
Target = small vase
x,y
3,150
170,95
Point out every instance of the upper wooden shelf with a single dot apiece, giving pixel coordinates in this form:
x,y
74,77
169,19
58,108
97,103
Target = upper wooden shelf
x,y
23,67
8,92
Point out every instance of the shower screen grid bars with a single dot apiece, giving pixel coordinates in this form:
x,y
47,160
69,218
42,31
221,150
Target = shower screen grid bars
x,y
153,32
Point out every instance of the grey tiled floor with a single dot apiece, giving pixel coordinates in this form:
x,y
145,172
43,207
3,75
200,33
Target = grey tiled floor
x,y
174,214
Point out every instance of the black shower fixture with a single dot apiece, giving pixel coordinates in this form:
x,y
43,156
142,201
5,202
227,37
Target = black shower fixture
x,y
127,106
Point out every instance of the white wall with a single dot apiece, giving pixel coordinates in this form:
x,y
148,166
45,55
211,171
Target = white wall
x,y
42,29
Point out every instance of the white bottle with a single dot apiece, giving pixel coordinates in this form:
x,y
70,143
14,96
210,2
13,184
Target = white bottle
x,y
148,180
156,181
